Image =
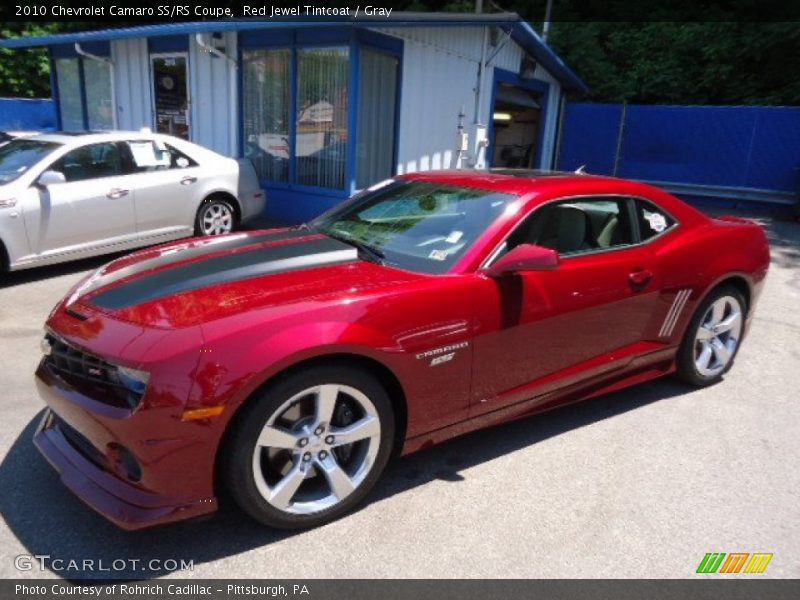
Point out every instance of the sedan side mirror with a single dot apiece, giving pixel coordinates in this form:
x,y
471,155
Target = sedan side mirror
x,y
525,257
50,177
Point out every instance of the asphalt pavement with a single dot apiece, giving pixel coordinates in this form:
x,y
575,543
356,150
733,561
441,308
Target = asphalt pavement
x,y
639,483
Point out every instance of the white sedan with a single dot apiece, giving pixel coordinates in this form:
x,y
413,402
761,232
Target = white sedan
x,y
67,196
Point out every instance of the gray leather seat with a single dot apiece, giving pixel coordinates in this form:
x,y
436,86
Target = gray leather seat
x,y
566,229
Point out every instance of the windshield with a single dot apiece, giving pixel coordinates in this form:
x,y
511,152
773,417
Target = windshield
x,y
415,225
18,156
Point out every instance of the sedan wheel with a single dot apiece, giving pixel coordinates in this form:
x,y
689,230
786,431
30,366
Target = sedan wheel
x,y
309,448
215,217
712,338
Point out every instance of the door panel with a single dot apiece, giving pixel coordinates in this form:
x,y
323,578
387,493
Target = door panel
x,y
93,208
543,324
167,185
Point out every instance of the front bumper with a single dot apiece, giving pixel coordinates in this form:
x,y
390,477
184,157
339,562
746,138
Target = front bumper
x,y
126,504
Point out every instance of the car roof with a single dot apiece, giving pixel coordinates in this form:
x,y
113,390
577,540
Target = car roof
x,y
86,137
511,181
538,187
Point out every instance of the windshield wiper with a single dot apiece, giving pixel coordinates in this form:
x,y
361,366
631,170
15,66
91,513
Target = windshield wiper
x,y
375,254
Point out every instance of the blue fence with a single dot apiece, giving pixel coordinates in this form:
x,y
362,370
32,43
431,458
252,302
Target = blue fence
x,y
738,152
38,114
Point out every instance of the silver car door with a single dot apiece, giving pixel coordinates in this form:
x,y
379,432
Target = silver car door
x,y
166,184
92,209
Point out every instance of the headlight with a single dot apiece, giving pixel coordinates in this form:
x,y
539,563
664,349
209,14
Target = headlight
x,y
133,379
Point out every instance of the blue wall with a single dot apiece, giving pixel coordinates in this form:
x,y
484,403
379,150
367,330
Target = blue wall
x,y
746,147
37,114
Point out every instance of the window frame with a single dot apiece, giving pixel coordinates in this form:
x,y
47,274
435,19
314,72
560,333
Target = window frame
x,y
58,166
630,203
57,54
346,37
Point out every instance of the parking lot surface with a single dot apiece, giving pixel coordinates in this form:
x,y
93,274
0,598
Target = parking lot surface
x,y
639,483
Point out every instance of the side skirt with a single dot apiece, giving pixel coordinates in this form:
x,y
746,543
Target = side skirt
x,y
640,370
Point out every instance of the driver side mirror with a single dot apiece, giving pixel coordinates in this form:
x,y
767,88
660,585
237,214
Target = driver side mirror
x,y
525,257
50,177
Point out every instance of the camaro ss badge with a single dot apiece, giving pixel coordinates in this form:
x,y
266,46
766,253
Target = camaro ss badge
x,y
441,355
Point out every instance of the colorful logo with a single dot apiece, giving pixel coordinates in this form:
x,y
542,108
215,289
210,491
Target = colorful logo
x,y
716,562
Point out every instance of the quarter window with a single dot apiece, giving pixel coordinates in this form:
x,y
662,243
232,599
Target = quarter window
x,y
652,220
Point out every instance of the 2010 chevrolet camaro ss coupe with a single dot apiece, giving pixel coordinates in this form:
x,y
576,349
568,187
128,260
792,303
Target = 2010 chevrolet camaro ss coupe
x,y
284,367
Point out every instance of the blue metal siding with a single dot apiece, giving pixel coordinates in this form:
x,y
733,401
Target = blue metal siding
x,y
589,137
750,149
174,43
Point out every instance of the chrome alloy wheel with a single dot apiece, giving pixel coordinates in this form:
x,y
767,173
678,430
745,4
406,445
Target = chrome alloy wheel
x,y
718,336
316,449
216,218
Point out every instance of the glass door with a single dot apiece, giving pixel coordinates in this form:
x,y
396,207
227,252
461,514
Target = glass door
x,y
171,94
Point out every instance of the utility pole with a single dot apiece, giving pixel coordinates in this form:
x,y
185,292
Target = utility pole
x,y
546,26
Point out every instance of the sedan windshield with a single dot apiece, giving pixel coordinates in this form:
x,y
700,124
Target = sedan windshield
x,y
415,225
18,156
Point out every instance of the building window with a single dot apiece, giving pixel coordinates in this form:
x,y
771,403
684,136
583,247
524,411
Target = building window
x,y
69,94
321,129
376,117
99,104
267,94
297,124
84,80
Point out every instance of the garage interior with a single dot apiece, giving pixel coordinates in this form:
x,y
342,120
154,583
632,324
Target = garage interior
x,y
516,120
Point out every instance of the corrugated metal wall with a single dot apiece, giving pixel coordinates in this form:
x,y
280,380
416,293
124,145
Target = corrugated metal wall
x,y
213,83
132,83
440,74
741,152
212,88
440,69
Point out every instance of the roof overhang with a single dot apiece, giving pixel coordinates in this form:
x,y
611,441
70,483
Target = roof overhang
x,y
521,32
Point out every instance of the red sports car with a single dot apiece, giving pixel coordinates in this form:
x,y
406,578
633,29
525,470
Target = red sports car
x,y
285,367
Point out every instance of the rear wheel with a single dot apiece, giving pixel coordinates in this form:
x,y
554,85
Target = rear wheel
x,y
712,339
215,216
307,449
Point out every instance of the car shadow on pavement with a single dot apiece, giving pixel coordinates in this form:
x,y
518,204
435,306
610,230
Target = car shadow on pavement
x,y
48,520
14,278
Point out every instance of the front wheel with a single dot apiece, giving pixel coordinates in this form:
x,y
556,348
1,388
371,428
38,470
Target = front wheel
x,y
712,338
215,217
308,448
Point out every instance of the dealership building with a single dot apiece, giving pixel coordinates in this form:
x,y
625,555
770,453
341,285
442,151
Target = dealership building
x,y
323,108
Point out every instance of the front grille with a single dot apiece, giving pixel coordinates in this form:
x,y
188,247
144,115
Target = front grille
x,y
92,376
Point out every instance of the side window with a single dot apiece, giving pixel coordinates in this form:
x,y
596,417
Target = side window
x,y
576,226
652,220
178,160
91,162
150,155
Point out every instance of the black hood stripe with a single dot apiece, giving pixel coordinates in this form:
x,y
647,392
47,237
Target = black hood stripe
x,y
227,268
186,252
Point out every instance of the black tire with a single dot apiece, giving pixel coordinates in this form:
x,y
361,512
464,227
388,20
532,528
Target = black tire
x,y
687,369
210,204
236,464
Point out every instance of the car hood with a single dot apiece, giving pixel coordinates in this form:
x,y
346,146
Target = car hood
x,y
185,284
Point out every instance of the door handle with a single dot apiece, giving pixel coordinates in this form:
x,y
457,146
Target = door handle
x,y
188,179
117,193
639,277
